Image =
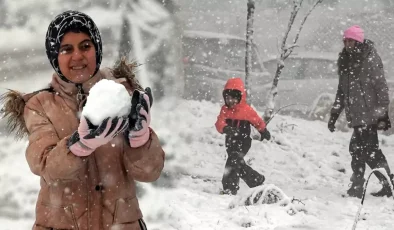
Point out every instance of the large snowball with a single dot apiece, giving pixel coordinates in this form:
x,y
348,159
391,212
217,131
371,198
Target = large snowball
x,y
106,99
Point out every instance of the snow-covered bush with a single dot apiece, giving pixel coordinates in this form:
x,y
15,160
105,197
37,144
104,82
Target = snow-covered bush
x,y
321,108
268,194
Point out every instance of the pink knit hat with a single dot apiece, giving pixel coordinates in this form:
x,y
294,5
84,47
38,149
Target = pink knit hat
x,y
355,33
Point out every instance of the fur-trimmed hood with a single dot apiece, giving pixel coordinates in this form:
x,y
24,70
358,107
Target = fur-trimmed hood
x,y
13,102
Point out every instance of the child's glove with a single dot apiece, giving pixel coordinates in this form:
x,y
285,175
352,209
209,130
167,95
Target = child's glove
x,y
265,135
89,137
139,118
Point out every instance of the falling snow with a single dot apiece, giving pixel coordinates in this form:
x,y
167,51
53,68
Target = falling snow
x,y
187,50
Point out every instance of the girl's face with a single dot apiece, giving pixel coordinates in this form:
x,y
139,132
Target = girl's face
x,y
231,101
77,57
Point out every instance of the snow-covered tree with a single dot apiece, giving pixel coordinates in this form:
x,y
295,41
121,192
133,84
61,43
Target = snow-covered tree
x,y
125,43
156,45
285,50
249,42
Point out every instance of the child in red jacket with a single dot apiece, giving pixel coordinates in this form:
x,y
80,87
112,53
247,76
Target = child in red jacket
x,y
234,120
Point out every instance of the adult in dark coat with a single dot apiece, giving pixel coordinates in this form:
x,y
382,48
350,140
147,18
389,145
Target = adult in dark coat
x,y
363,93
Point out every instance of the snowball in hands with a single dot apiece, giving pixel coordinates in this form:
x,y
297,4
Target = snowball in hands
x,y
106,99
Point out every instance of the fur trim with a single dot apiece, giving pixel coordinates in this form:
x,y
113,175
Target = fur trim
x,y
122,69
13,102
13,105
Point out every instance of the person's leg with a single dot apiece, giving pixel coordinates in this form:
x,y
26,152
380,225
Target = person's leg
x,y
376,159
356,149
374,156
142,224
251,177
230,180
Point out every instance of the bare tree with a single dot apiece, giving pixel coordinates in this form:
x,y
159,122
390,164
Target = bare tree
x,y
150,37
249,42
156,45
125,41
285,51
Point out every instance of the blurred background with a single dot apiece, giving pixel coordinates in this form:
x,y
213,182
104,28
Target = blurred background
x,y
189,48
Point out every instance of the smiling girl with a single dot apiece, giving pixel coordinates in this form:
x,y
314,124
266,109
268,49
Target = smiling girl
x,y
86,182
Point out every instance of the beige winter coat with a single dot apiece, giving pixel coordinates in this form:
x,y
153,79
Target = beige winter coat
x,y
96,192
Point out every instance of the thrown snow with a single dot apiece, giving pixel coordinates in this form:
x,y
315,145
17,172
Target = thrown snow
x,y
106,99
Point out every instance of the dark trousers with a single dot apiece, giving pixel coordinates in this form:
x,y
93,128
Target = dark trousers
x,y
236,167
142,224
364,149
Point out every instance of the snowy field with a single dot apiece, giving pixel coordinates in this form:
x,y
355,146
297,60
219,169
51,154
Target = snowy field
x,y
304,159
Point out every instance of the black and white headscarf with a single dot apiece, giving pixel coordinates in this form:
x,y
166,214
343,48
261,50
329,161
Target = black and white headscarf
x,y
63,23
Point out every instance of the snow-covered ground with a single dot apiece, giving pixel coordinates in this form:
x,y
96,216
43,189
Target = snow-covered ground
x,y
304,159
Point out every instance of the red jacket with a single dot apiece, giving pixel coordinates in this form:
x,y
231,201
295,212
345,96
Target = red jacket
x,y
239,114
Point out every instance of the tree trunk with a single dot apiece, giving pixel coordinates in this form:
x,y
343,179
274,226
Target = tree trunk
x,y
125,39
249,42
285,51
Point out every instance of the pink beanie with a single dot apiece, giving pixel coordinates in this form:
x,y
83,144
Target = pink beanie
x,y
355,33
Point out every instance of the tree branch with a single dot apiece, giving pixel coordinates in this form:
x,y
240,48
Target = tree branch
x,y
293,14
298,200
304,20
285,52
249,43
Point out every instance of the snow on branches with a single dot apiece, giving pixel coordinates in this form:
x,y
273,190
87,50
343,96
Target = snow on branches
x,y
285,51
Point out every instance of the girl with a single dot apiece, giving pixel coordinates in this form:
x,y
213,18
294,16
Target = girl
x,y
87,173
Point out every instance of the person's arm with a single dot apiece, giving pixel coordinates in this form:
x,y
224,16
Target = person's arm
x,y
146,162
256,120
48,155
143,154
221,121
338,104
259,124
380,85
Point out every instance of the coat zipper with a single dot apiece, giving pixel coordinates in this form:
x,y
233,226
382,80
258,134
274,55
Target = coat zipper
x,y
89,209
80,93
98,182
363,92
359,82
